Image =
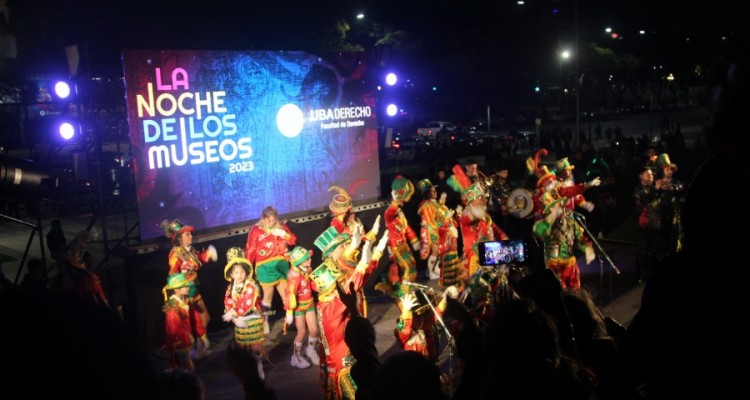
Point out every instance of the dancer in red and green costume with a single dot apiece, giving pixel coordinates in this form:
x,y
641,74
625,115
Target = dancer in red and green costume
x,y
184,259
451,263
242,305
547,183
182,322
302,312
340,267
267,245
401,241
562,234
475,222
432,212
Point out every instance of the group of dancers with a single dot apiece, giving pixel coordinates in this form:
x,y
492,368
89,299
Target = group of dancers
x,y
349,255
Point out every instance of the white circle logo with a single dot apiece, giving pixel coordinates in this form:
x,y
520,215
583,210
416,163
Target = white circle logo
x,y
290,120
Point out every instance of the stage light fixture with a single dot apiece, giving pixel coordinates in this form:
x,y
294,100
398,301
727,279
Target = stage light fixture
x,y
62,89
67,131
391,79
391,110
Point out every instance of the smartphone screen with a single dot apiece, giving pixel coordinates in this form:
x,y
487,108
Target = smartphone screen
x,y
501,252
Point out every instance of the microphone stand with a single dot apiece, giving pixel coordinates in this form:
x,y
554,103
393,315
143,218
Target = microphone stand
x,y
451,341
582,221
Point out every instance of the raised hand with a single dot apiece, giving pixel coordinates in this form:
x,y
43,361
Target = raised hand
x,y
210,253
382,243
349,299
278,232
356,237
366,256
228,316
408,301
375,227
594,182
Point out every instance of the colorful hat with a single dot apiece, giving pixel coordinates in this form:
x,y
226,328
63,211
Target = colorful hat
x,y
173,229
545,177
236,255
176,281
563,163
548,200
329,240
402,188
299,255
424,185
341,201
663,161
473,193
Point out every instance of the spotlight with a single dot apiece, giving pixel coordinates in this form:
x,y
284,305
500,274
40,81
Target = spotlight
x,y
391,110
67,131
62,89
391,79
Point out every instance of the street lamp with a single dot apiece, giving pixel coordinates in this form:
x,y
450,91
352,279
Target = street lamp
x,y
564,56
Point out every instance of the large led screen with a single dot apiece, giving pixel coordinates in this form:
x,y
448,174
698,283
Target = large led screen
x,y
217,136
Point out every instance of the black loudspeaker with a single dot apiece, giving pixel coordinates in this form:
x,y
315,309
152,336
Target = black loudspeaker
x,y
21,177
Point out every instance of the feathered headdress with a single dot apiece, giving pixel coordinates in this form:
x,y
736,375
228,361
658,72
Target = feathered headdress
x,y
461,183
541,171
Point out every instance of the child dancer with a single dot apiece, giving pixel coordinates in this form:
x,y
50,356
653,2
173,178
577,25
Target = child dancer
x,y
242,305
182,321
302,308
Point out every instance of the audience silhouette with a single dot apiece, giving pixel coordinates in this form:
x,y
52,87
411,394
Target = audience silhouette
x,y
689,325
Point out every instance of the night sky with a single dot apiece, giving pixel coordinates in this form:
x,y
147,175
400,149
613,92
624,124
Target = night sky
x,y
474,48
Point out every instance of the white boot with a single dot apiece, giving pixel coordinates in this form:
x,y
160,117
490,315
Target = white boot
x,y
259,361
312,351
432,266
266,326
298,360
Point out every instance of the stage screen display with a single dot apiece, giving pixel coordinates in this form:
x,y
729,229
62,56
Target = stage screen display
x,y
217,136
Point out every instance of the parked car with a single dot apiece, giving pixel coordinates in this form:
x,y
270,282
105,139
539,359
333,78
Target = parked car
x,y
433,127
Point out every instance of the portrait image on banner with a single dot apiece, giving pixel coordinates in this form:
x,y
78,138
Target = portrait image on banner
x,y
218,135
